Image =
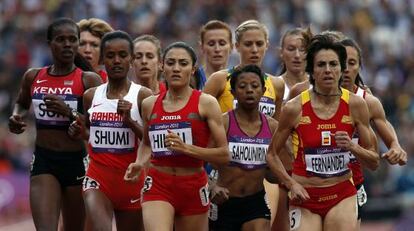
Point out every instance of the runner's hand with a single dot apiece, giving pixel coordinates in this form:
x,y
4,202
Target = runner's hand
x,y
16,124
395,156
219,194
298,193
132,173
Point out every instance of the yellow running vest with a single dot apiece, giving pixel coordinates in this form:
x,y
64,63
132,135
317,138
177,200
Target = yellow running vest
x,y
267,102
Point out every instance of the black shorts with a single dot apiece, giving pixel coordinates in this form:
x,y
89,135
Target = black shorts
x,y
361,198
236,211
67,167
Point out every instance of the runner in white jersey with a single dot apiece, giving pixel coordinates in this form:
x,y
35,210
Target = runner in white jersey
x,y
113,127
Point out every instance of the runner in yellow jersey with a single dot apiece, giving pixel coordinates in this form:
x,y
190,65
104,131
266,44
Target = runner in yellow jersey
x,y
251,43
267,102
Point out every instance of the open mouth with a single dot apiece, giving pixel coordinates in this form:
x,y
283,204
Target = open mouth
x,y
117,69
67,53
250,98
328,79
89,58
145,69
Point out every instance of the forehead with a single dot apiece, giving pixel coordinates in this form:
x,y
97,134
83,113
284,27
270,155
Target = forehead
x,y
146,46
216,34
177,53
293,40
253,35
325,55
116,44
65,30
86,35
351,52
248,77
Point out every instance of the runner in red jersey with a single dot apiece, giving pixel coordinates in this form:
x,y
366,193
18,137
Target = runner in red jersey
x,y
91,32
113,128
352,81
177,127
56,93
147,63
322,121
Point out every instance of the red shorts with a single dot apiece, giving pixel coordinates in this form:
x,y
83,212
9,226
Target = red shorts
x,y
187,194
123,195
324,198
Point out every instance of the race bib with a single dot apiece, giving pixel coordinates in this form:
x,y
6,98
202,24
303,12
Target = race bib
x,y
326,162
213,212
266,105
45,117
294,218
158,132
111,139
147,184
204,195
248,153
361,196
213,175
89,183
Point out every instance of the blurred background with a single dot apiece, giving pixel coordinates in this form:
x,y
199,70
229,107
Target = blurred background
x,y
383,28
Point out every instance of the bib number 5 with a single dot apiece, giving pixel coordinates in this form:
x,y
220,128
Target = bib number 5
x,y
294,218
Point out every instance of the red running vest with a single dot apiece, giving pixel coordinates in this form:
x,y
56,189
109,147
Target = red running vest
x,y
186,122
314,147
69,87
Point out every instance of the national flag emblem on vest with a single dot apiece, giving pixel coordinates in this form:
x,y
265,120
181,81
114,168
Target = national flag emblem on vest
x,y
68,82
326,138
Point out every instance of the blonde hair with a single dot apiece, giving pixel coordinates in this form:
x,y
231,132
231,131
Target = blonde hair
x,y
250,25
97,27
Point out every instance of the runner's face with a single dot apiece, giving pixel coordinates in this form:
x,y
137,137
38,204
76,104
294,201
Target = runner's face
x,y
216,47
64,43
248,90
146,63
178,67
252,47
89,48
326,69
352,66
293,53
117,58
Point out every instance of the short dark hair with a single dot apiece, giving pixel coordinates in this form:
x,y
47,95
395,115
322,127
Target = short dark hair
x,y
118,34
323,42
51,29
251,68
184,46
